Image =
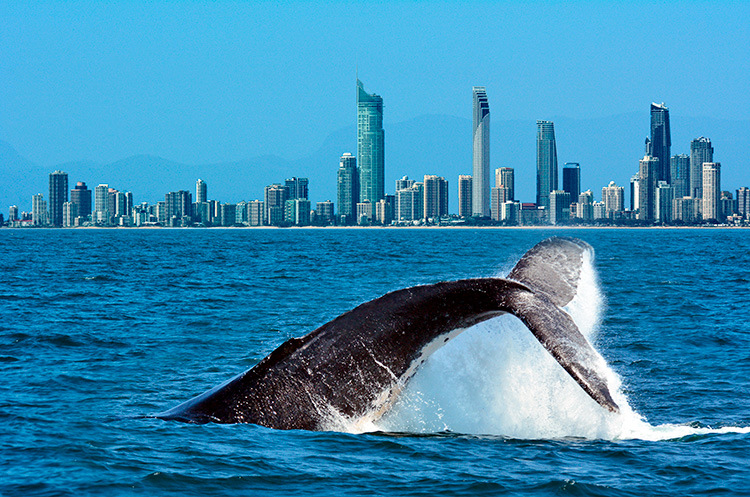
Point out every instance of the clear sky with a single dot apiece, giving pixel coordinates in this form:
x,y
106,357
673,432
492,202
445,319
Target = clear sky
x,y
199,82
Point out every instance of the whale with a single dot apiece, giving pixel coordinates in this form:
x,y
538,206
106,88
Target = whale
x,y
356,365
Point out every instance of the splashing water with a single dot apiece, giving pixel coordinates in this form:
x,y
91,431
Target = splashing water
x,y
497,379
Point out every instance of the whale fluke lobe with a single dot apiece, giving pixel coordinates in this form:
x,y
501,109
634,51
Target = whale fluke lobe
x,y
553,267
356,365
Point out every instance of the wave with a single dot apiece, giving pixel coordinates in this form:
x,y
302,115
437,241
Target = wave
x,y
496,379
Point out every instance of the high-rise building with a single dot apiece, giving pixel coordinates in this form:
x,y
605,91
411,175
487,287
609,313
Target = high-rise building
x,y
364,213
647,169
297,211
81,196
370,145
711,191
635,191
435,196
661,140
679,170
385,210
728,205
179,208
480,203
13,212
297,188
101,205
410,203
663,202
505,176
701,151
613,199
255,213
228,214
324,212
500,195
685,209
585,208
559,207
571,179
347,189
39,214
70,212
403,183
58,195
743,202
464,195
546,162
275,200
201,191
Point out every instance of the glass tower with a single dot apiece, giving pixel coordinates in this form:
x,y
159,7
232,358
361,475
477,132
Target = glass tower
x,y
370,145
546,162
679,167
661,140
572,179
480,194
347,186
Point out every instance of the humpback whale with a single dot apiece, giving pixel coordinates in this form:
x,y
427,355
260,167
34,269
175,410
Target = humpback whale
x,y
356,365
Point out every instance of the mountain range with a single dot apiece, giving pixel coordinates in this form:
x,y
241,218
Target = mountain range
x,y
607,148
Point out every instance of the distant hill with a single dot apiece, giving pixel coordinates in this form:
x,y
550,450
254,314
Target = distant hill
x,y
608,149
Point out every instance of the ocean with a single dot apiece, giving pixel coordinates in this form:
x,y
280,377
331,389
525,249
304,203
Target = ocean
x,y
101,328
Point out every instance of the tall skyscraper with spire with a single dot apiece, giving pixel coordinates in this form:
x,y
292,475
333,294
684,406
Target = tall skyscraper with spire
x,y
370,145
701,152
546,162
661,140
480,194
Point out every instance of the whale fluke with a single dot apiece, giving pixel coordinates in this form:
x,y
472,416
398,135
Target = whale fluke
x,y
356,365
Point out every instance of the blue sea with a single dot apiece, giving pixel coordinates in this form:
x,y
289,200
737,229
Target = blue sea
x,y
100,328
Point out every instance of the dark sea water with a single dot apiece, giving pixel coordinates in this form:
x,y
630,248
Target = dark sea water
x,y
101,327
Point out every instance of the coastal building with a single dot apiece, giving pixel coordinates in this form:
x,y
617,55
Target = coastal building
x,y
711,191
559,209
500,195
599,210
404,183
685,209
464,195
585,208
635,192
648,167
661,141
255,213
510,212
364,213
480,194
370,145
435,196
546,162
275,197
571,178
296,187
613,198
410,203
81,196
297,211
743,202
201,191
728,205
679,170
39,214
58,195
663,202
505,176
385,210
179,208
701,152
347,189
70,213
324,212
101,205
228,215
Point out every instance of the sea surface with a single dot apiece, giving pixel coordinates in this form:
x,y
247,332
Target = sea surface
x,y
100,328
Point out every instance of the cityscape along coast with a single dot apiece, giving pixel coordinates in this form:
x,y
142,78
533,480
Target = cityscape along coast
x,y
666,190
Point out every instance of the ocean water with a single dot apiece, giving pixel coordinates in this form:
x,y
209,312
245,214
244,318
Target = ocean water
x,y
100,328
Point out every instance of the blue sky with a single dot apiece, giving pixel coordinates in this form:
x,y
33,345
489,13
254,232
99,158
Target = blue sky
x,y
199,82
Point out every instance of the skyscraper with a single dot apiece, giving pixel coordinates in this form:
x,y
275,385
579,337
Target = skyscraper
x,y
58,195
711,190
297,187
546,162
663,200
347,189
435,196
464,195
700,151
81,196
661,140
572,179
743,202
679,168
647,169
505,177
559,207
480,195
39,214
101,204
201,191
275,203
370,145
613,199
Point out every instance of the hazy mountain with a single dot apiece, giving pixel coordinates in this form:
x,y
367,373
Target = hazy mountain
x,y
608,149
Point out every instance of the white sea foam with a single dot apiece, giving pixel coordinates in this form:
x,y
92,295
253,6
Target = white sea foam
x,y
496,379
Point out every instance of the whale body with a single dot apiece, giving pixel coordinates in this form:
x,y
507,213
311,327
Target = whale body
x,y
356,365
